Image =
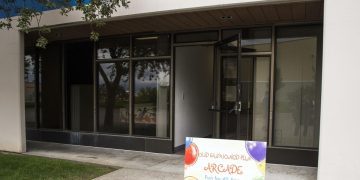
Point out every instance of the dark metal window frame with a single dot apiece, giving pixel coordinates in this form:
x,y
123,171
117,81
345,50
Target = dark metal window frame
x,y
319,84
131,60
278,151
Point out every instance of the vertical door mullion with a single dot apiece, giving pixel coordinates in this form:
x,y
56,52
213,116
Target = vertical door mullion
x,y
272,87
171,127
37,88
238,96
131,89
250,118
214,102
64,87
95,85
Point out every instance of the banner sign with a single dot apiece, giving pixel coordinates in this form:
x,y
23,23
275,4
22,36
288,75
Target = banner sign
x,y
220,159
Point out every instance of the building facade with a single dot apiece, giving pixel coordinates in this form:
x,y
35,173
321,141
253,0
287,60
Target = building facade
x,y
162,71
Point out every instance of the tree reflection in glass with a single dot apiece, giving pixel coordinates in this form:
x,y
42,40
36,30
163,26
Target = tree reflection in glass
x,y
114,48
30,93
113,97
150,46
152,97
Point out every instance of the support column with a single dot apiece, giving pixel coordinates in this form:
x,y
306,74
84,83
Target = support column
x,y
340,112
12,106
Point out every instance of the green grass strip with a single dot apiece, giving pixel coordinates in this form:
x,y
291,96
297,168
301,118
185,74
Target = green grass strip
x,y
23,167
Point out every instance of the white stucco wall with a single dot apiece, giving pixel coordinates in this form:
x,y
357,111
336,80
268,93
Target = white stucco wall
x,y
193,92
12,107
340,120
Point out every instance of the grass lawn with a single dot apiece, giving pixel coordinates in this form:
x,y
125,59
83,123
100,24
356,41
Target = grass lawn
x,y
17,166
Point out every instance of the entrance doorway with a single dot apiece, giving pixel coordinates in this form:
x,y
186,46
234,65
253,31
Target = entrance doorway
x,y
241,91
193,82
79,85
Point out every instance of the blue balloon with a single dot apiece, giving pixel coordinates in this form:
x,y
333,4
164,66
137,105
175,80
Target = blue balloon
x,y
256,149
188,141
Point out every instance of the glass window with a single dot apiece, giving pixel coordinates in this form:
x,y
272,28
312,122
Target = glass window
x,y
30,89
196,37
79,86
152,97
227,33
261,98
228,96
230,47
113,48
297,91
256,40
253,39
149,46
50,87
113,97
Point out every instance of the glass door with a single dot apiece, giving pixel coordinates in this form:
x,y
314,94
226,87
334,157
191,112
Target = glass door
x,y
228,98
241,88
236,92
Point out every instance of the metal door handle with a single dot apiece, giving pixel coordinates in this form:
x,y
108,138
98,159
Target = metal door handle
x,y
236,108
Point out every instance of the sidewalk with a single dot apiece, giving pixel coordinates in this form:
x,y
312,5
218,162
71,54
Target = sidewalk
x,y
134,165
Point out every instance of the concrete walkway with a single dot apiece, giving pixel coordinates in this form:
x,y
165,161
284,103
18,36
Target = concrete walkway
x,y
134,165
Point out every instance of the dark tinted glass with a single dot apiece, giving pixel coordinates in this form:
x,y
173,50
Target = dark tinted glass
x,y
252,39
196,37
227,33
113,97
113,48
30,88
152,98
50,87
256,40
149,46
79,86
228,96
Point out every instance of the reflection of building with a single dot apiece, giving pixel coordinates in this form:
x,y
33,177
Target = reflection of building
x,y
253,70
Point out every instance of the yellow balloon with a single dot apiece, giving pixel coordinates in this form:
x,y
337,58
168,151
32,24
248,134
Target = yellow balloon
x,y
262,167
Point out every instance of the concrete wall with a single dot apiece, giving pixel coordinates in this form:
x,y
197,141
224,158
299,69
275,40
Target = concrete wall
x,y
12,106
340,121
193,92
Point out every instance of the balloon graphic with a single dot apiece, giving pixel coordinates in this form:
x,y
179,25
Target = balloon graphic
x,y
191,152
188,141
190,178
256,149
262,167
